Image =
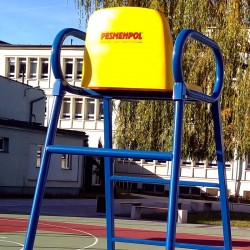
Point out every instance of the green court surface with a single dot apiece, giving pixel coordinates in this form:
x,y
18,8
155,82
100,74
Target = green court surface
x,y
61,232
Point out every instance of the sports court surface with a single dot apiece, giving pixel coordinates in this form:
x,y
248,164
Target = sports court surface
x,y
79,226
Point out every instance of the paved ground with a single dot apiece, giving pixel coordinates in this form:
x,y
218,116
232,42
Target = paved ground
x,y
75,224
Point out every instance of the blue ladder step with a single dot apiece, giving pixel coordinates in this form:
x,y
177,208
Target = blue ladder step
x,y
163,243
121,153
162,181
109,152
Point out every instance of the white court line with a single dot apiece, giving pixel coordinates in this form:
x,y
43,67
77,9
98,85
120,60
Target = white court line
x,y
51,224
13,242
76,230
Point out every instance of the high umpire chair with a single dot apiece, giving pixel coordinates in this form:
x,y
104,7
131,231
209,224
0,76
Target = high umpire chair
x,y
129,54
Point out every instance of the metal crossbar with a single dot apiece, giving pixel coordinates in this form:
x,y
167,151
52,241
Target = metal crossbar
x,y
115,153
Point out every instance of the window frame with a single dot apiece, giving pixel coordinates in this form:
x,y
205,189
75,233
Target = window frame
x,y
89,114
44,67
33,64
78,103
39,152
248,162
66,101
100,111
22,67
11,65
4,144
68,65
66,162
79,65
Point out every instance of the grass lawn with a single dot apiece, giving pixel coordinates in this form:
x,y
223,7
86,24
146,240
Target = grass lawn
x,y
214,218
241,220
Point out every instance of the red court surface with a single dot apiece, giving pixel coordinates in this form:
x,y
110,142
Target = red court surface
x,y
12,225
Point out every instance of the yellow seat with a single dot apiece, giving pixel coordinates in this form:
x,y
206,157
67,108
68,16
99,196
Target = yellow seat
x,y
129,50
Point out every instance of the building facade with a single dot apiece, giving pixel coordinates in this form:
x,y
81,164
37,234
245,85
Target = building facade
x,y
22,137
31,65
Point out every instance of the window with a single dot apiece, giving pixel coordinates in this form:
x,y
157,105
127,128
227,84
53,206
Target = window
x,y
186,163
101,110
66,108
11,67
148,187
90,109
4,145
149,161
68,68
44,68
246,195
39,155
66,162
79,68
162,162
212,164
159,188
95,178
46,108
199,164
78,108
248,162
33,68
22,67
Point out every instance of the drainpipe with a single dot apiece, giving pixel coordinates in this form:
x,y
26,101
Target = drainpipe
x,y
31,107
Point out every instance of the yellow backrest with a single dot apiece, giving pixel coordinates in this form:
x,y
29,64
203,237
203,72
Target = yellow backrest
x,y
128,48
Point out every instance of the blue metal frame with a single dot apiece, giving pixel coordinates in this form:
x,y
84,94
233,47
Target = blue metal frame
x,y
180,95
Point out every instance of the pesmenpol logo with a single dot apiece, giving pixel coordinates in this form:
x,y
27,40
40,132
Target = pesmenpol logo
x,y
134,37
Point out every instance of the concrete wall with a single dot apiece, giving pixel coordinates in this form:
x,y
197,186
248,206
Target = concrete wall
x,y
19,169
21,102
190,171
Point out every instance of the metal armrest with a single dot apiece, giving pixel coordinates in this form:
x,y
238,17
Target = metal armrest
x,y
177,65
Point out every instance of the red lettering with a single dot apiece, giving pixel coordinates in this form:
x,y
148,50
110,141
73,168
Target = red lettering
x,y
121,35
125,35
103,35
135,35
130,34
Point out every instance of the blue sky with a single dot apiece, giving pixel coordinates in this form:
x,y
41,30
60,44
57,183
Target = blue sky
x,y
37,21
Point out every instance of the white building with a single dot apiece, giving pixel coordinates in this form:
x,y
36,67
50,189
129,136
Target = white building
x,y
31,64
21,139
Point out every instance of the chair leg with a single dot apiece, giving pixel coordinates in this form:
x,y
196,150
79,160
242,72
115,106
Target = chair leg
x,y
175,173
222,175
109,192
42,177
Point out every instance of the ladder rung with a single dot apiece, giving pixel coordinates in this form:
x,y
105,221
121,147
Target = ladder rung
x,y
139,179
109,152
139,241
198,247
161,181
199,183
122,153
163,243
